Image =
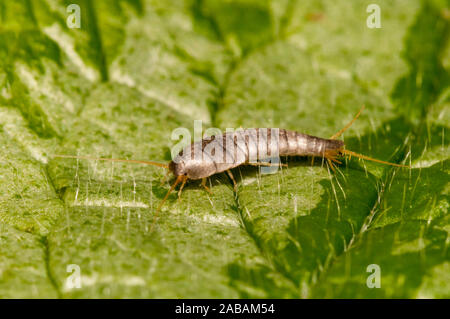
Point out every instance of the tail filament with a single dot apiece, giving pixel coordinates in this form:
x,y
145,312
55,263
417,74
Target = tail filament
x,y
335,136
350,153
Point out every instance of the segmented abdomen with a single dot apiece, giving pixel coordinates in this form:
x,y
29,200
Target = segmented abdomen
x,y
292,143
222,152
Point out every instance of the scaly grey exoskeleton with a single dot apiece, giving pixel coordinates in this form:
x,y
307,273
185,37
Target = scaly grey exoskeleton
x,y
246,147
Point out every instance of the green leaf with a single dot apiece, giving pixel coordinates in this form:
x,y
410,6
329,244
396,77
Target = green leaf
x,y
137,70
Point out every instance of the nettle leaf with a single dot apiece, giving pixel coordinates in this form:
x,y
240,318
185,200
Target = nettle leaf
x,y
137,70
